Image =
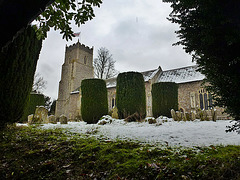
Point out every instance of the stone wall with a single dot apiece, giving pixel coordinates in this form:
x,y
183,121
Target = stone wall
x,y
78,65
185,91
111,98
148,89
189,99
74,110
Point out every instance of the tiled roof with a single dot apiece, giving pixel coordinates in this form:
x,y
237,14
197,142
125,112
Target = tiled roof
x,y
147,75
112,82
181,75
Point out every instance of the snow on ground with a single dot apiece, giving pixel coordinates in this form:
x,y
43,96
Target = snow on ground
x,y
172,133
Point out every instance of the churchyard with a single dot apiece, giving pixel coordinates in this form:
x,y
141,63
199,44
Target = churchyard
x,y
158,148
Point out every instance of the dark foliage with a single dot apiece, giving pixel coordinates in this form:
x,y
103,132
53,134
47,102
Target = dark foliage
x,y
164,98
17,66
209,30
16,15
94,102
34,101
57,14
130,94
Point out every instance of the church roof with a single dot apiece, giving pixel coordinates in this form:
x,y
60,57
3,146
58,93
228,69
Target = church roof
x,y
181,75
111,82
147,75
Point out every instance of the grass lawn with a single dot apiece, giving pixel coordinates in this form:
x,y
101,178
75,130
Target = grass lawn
x,y
31,153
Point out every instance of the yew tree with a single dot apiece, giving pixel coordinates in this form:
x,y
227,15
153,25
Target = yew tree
x,y
210,32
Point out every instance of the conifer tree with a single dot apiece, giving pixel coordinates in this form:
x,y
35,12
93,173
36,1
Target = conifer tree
x,y
130,94
18,64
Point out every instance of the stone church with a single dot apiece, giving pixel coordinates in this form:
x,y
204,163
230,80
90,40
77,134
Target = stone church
x,y
78,65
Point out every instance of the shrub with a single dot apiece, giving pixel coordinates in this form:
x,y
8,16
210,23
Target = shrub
x,y
33,101
133,118
130,94
164,98
94,100
17,66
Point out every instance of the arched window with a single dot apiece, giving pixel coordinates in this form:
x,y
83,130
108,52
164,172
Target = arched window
x,y
201,100
205,101
113,102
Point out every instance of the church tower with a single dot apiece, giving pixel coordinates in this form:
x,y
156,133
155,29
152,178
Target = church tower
x,y
78,65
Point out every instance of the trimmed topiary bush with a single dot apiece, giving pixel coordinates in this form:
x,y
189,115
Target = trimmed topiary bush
x,y
94,102
164,98
34,100
17,66
130,94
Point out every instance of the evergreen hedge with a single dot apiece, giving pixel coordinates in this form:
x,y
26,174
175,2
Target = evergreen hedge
x,y
17,66
130,94
94,102
34,100
164,98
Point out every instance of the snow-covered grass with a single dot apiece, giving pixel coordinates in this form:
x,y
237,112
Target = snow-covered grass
x,y
165,131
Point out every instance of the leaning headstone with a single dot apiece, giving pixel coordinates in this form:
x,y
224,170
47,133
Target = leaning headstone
x,y
41,115
52,119
173,113
63,119
30,119
115,113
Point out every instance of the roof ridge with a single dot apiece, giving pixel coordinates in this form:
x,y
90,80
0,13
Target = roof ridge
x,y
149,70
181,68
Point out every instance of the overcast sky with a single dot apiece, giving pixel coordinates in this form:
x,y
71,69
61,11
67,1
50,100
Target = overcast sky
x,y
136,32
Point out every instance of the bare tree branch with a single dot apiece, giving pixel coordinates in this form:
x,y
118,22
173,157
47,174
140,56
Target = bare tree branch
x,y
39,83
104,64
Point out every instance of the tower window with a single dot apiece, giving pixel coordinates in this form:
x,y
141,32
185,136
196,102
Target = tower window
x,y
85,60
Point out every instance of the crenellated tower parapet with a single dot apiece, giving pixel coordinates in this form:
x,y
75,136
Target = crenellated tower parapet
x,y
78,45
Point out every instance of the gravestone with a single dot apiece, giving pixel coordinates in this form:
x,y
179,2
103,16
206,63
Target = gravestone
x,y
193,116
63,119
41,115
115,113
214,114
52,119
173,114
30,119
